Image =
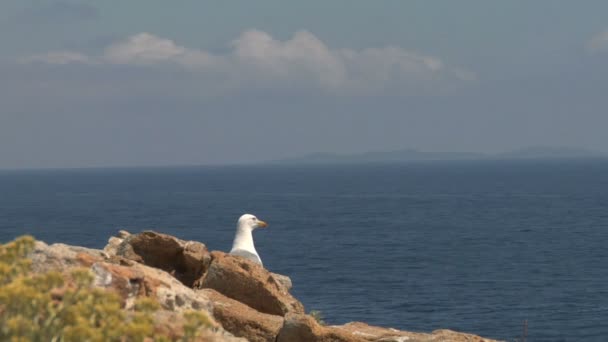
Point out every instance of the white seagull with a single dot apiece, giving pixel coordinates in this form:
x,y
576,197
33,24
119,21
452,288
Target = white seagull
x,y
243,240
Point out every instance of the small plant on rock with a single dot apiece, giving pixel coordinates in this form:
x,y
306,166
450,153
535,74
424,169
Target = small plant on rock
x,y
318,316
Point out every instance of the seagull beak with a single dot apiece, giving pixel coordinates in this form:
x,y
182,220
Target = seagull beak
x,y
262,224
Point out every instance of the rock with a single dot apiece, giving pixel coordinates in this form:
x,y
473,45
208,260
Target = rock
x,y
128,281
300,328
60,256
111,248
185,260
133,281
168,323
378,334
249,283
141,280
449,335
283,280
243,321
123,234
240,296
304,328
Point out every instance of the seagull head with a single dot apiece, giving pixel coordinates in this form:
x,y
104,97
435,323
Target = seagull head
x,y
250,222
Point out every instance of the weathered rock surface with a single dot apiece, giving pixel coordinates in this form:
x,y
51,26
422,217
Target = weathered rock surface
x,y
242,298
130,281
243,321
139,280
185,260
285,281
60,256
249,283
171,324
301,328
378,334
304,328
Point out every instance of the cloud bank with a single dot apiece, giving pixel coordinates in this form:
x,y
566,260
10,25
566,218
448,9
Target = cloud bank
x,y
258,59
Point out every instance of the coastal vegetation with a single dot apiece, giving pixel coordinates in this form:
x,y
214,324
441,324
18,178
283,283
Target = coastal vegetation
x,y
53,306
318,316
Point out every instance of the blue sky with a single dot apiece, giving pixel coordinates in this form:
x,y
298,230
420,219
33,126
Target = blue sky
x,y
152,82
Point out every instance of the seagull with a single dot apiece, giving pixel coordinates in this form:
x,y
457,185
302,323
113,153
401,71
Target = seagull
x,y
243,240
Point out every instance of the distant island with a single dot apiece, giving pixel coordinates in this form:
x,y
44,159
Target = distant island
x,y
408,155
547,152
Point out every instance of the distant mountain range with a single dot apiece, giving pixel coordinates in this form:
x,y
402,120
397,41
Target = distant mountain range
x,y
539,152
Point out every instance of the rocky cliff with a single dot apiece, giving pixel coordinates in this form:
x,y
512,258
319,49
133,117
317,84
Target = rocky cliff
x,y
243,300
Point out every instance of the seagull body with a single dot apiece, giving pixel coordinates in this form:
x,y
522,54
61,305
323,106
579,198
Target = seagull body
x,y
243,240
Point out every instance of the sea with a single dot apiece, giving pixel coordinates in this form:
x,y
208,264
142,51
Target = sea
x,y
485,247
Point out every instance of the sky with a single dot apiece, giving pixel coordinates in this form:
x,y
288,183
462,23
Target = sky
x,y
148,82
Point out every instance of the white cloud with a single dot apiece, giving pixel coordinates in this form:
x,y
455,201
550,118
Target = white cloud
x,y
303,56
257,58
143,48
147,49
599,42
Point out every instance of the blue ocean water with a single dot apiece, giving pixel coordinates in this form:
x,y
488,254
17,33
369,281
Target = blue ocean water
x,y
471,246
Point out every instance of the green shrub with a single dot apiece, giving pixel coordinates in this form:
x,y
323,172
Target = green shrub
x,y
194,321
56,307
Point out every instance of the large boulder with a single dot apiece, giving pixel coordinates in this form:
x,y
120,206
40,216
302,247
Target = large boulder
x,y
129,279
249,283
185,260
139,280
243,321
